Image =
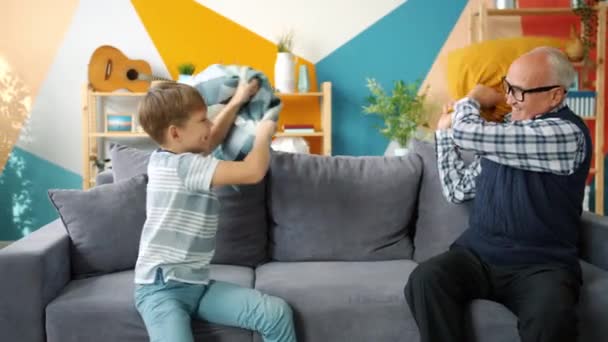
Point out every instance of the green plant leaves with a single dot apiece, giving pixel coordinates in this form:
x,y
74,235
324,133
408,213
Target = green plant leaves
x,y
403,111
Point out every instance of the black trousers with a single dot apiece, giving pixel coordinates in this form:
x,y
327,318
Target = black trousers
x,y
543,297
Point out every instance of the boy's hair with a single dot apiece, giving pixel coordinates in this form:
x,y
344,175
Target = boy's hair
x,y
167,104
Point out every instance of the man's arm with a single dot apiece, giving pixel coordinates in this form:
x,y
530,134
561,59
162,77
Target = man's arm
x,y
225,118
550,145
457,179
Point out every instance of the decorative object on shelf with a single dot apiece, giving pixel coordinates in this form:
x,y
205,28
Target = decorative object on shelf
x,y
290,144
575,83
284,67
505,4
403,111
303,128
186,70
110,69
581,102
584,9
303,83
119,123
575,48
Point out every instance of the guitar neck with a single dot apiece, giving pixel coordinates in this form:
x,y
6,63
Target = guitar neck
x,y
145,77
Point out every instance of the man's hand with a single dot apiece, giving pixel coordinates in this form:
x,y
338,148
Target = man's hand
x,y
245,91
265,129
486,96
445,120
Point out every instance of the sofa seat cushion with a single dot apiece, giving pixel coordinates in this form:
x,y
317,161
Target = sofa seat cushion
x,y
343,301
102,309
494,322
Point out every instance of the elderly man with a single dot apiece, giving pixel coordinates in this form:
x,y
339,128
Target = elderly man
x,y
527,182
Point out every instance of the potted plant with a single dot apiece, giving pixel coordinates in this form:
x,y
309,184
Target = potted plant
x,y
586,11
186,70
403,110
284,67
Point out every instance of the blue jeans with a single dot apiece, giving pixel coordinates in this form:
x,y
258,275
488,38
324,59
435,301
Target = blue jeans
x,y
168,307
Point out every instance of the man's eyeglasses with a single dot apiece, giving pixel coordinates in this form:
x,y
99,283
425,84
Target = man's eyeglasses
x,y
519,93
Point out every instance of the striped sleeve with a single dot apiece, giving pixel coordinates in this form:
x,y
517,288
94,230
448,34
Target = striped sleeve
x,y
196,171
547,145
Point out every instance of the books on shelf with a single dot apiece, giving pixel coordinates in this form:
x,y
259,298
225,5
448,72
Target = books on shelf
x,y
581,102
298,128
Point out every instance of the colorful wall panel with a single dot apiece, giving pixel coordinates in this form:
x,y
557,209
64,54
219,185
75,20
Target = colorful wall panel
x,y
43,66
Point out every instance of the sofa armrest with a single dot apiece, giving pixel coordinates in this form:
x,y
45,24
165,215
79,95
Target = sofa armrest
x,y
32,271
594,239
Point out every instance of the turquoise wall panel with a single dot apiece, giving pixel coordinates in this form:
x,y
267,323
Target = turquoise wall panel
x,y
401,45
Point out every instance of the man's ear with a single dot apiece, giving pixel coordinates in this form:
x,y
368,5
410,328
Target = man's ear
x,y
558,96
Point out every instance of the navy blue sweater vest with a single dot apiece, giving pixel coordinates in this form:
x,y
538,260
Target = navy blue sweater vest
x,y
522,217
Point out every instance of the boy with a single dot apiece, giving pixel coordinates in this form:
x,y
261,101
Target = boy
x,y
178,238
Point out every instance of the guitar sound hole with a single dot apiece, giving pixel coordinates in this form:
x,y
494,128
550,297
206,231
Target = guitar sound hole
x,y
132,74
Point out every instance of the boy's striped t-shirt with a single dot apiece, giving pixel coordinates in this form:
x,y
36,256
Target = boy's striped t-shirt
x,y
181,219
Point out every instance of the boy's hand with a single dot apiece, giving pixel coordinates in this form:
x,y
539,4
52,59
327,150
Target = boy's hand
x,y
245,91
266,129
486,96
445,120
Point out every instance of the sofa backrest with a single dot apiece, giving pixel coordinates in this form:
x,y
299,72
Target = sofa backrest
x,y
438,222
342,208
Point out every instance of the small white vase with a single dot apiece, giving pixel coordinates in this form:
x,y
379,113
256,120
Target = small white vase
x,y
183,78
285,73
400,152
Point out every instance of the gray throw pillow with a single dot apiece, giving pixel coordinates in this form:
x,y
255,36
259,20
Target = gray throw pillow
x,y
104,224
439,222
128,162
243,222
342,208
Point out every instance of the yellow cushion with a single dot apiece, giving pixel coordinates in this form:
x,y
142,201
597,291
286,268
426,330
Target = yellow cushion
x,y
486,63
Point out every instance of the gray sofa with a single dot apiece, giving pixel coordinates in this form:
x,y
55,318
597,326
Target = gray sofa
x,y
336,237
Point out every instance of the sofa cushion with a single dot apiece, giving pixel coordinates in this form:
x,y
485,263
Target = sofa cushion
x,y
342,208
128,161
439,222
104,224
243,220
593,304
343,301
102,309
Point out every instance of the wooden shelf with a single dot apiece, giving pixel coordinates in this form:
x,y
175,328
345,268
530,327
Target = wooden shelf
x,y
93,109
117,93
119,135
309,94
531,11
290,134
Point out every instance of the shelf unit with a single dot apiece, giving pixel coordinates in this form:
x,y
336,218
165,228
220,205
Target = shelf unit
x,y
478,29
94,133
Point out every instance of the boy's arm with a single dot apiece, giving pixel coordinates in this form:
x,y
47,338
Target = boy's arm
x,y
253,168
225,118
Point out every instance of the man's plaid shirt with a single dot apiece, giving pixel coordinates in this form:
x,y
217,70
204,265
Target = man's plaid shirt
x,y
548,145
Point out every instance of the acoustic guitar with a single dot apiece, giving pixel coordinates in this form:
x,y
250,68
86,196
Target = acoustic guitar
x,y
110,69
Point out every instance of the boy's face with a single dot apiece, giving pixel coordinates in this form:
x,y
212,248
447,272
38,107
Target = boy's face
x,y
195,134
